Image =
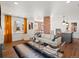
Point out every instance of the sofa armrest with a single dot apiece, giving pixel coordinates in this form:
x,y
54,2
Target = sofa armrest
x,y
56,42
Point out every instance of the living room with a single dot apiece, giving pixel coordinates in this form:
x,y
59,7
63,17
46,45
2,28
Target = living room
x,y
45,29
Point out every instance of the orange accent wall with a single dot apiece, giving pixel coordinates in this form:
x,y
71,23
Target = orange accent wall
x,y
25,25
47,24
7,30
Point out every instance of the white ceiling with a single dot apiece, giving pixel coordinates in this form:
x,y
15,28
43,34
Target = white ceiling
x,y
40,8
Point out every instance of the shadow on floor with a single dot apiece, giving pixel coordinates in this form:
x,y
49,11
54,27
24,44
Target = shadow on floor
x,y
1,47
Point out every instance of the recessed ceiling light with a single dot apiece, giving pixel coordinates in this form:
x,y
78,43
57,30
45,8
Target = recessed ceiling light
x,y
15,3
67,1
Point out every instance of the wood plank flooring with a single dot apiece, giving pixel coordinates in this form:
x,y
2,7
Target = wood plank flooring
x,y
14,43
9,52
70,50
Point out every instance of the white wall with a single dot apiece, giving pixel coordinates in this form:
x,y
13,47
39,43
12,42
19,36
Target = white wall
x,y
2,22
31,31
40,9
15,36
2,29
56,22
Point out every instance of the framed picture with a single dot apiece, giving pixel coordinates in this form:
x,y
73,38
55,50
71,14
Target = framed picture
x,y
74,27
30,25
19,25
58,32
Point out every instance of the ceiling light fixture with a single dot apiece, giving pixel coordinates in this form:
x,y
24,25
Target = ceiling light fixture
x,y
15,3
63,20
64,23
68,1
67,23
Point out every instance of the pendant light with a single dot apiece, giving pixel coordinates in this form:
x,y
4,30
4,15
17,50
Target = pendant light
x,y
67,23
63,20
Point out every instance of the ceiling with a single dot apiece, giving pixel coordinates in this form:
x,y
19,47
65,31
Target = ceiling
x,y
40,8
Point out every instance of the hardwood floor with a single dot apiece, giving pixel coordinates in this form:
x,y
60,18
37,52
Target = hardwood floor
x,y
9,45
9,52
19,42
72,50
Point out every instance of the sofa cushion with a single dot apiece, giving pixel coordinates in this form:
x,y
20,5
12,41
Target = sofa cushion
x,y
46,36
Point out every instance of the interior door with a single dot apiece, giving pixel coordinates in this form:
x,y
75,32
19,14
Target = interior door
x,y
7,30
47,24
